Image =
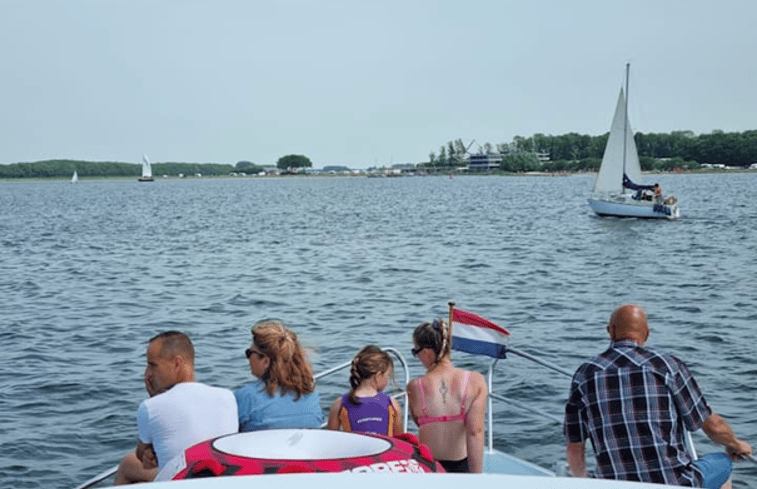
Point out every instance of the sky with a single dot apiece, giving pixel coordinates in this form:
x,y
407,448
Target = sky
x,y
358,83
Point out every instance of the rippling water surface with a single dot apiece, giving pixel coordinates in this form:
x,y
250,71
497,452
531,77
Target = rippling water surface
x,y
89,272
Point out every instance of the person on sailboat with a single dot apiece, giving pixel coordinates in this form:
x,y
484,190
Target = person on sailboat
x,y
634,404
657,193
447,403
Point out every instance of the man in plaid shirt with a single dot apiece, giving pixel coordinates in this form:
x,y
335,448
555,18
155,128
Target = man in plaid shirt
x,y
634,404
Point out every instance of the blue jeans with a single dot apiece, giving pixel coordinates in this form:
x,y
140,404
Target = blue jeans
x,y
715,468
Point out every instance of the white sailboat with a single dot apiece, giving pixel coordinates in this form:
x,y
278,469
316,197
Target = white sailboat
x,y
617,190
146,170
75,178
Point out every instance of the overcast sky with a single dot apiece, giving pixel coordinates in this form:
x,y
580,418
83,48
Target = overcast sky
x,y
359,83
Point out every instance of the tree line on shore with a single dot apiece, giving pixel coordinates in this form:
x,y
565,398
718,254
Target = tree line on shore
x,y
570,152
576,152
101,169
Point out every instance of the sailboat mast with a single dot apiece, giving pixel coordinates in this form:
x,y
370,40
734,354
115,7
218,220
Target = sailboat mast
x,y
625,121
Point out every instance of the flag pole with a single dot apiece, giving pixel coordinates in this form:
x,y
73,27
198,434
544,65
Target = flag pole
x,y
449,326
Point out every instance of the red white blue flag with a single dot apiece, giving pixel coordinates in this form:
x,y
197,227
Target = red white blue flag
x,y
473,334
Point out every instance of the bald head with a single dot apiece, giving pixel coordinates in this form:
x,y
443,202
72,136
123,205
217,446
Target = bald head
x,y
629,322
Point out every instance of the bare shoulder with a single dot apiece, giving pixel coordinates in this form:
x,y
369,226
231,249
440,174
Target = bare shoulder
x,y
477,381
333,423
336,404
395,404
473,376
477,377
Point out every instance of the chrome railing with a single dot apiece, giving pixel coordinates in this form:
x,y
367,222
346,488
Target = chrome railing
x,y
518,404
401,395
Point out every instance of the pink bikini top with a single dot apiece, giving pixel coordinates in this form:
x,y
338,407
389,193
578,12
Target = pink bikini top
x,y
426,419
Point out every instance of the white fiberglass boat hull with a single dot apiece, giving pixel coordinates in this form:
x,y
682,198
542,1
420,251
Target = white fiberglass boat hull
x,y
398,481
620,207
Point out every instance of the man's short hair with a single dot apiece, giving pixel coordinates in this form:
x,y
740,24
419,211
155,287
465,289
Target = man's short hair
x,y
175,343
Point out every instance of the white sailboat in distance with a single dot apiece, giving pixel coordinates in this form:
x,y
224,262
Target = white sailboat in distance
x,y
75,178
146,170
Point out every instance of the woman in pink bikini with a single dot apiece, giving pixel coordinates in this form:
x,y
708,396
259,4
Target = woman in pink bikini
x,y
448,404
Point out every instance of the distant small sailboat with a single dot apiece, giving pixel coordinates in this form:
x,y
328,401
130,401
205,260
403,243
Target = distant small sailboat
x,y
146,170
75,178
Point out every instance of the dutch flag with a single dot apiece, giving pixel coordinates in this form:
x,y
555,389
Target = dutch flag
x,y
473,334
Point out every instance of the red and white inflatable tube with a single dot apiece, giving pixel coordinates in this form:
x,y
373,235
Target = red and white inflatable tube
x,y
300,451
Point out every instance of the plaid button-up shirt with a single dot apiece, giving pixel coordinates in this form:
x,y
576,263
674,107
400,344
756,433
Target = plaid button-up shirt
x,y
633,403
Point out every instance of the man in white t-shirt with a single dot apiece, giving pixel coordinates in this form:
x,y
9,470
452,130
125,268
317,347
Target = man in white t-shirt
x,y
186,412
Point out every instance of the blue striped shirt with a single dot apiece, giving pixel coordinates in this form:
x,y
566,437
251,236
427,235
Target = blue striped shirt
x,y
633,403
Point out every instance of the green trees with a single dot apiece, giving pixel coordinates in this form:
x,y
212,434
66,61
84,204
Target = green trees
x,y
450,156
521,161
66,168
572,151
247,167
204,169
101,169
293,161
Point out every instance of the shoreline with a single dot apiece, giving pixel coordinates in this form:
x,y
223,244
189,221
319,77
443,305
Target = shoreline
x,y
704,171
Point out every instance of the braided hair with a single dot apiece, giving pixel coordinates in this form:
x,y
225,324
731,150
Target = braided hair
x,y
435,336
369,361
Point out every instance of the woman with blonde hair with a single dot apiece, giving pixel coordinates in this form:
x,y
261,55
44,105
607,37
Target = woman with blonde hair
x,y
365,408
283,394
447,403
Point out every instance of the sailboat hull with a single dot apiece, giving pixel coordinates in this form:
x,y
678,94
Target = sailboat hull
x,y
627,207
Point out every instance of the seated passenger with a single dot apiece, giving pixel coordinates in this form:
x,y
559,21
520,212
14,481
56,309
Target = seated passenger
x,y
448,404
130,469
283,394
181,412
657,193
365,408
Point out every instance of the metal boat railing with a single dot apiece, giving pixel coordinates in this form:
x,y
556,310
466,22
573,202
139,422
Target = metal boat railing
x,y
498,397
401,395
102,476
544,414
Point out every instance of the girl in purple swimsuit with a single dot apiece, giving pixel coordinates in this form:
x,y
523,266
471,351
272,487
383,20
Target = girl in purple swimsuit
x,y
447,403
365,408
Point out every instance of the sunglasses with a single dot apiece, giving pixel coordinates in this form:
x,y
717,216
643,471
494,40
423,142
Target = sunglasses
x,y
250,351
417,350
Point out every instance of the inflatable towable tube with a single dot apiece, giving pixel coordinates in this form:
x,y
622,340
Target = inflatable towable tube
x,y
301,450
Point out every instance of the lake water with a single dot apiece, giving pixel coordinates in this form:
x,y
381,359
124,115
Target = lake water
x,y
89,272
